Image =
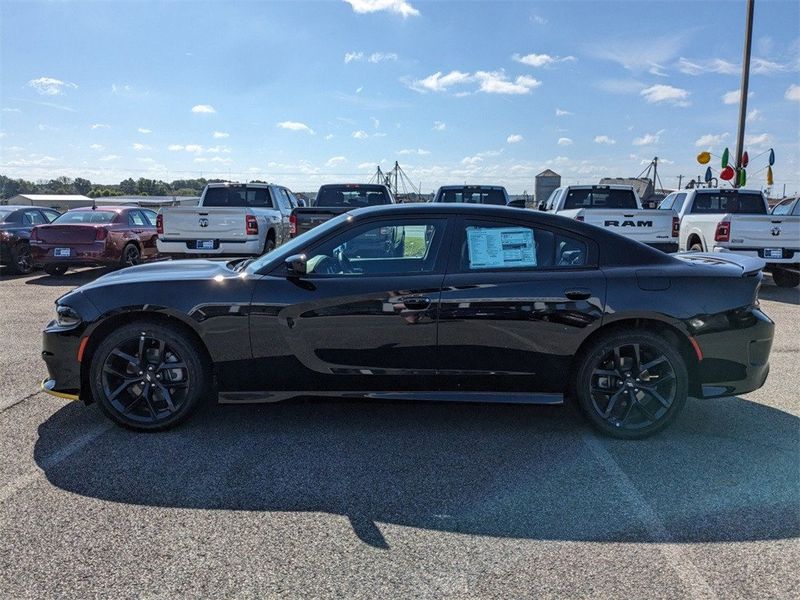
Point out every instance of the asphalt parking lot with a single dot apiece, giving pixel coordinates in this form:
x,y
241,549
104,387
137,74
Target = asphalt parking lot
x,y
321,498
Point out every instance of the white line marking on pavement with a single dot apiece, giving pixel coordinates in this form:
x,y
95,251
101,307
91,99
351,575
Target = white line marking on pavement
x,y
675,554
28,478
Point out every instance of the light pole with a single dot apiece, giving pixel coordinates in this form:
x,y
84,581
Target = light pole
x,y
748,42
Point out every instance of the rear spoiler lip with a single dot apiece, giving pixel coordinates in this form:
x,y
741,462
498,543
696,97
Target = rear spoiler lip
x,y
748,264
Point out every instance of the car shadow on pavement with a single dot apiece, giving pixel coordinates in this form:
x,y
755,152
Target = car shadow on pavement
x,y
726,471
74,278
779,294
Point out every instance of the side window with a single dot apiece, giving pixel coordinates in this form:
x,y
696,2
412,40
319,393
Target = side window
x,y
50,215
136,219
551,201
679,200
667,202
492,246
397,247
292,199
283,199
34,217
150,217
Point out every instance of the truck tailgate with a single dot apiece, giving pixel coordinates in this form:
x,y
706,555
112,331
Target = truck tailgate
x,y
306,218
184,223
641,225
765,231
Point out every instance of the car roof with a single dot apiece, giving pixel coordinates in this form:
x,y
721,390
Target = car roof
x,y
105,208
354,185
471,186
598,186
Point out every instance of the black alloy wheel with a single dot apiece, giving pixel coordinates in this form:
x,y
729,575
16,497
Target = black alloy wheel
x,y
147,376
632,385
131,255
21,259
56,269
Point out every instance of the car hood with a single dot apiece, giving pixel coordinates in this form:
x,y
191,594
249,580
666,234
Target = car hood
x,y
172,270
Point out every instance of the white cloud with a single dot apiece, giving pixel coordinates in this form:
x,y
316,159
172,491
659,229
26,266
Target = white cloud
x,y
329,136
732,97
703,66
100,126
418,151
564,141
439,125
400,7
220,134
360,134
755,115
3,134
604,139
49,86
203,109
139,147
641,53
541,60
710,140
295,126
472,160
762,66
514,138
649,139
335,160
14,110
109,157
121,89
563,113
375,122
539,20
97,147
793,93
665,93
175,147
43,127
761,139
218,149
359,89
496,82
145,131
193,148
353,56
379,57
439,82
366,165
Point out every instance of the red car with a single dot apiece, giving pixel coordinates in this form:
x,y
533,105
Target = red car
x,y
104,235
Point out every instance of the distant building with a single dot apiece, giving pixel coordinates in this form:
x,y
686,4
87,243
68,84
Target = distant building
x,y
58,201
545,183
154,202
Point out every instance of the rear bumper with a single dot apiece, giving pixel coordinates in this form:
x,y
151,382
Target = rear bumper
x,y
735,353
244,247
668,247
790,255
96,253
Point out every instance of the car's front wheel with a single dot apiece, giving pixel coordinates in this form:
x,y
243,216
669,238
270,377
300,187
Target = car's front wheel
x,y
631,384
21,260
147,376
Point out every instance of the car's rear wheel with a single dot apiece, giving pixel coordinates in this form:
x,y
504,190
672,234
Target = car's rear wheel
x,y
631,384
55,269
21,259
696,247
147,376
130,256
785,278
269,245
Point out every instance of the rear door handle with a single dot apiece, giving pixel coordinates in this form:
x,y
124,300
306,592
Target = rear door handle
x,y
578,294
416,302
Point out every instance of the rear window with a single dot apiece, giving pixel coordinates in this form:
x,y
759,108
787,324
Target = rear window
x,y
4,214
351,197
86,216
237,196
473,196
731,201
600,198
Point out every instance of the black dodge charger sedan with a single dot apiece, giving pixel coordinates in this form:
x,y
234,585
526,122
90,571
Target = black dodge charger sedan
x,y
486,303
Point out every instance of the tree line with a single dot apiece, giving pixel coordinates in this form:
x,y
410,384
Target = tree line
x,y
127,187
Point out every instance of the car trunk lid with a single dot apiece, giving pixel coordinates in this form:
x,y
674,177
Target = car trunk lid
x,y
67,234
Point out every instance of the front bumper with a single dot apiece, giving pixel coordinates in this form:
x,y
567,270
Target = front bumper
x,y
735,350
60,354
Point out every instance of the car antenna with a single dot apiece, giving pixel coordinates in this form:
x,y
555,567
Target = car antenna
x,y
94,203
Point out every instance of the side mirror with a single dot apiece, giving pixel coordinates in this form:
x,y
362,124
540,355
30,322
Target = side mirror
x,y
517,203
542,206
295,265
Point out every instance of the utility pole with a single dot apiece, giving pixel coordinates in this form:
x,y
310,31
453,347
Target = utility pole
x,y
655,172
748,42
680,178
396,169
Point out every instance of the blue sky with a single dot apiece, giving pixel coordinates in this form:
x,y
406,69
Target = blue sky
x,y
302,93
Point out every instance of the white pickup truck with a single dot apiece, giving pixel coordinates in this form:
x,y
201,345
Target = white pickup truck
x,y
738,221
618,209
231,219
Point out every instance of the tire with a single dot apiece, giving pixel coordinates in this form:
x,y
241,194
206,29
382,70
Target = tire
x,y
128,374
785,278
131,256
21,260
269,245
56,269
696,247
643,396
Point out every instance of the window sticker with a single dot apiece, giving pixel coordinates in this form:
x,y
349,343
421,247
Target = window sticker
x,y
505,247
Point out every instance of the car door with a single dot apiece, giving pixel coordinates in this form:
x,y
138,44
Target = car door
x,y
518,299
351,323
143,231
285,208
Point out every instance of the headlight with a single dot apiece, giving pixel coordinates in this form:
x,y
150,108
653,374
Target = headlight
x,y
66,316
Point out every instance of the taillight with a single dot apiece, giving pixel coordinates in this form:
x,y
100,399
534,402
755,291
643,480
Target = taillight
x,y
723,233
100,233
251,225
292,225
160,224
676,227
579,218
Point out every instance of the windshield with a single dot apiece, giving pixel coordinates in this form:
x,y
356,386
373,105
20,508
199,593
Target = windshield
x,y
351,197
86,216
600,198
473,196
729,201
298,244
236,196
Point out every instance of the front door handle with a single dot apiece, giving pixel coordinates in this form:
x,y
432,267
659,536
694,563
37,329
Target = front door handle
x,y
416,302
578,294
